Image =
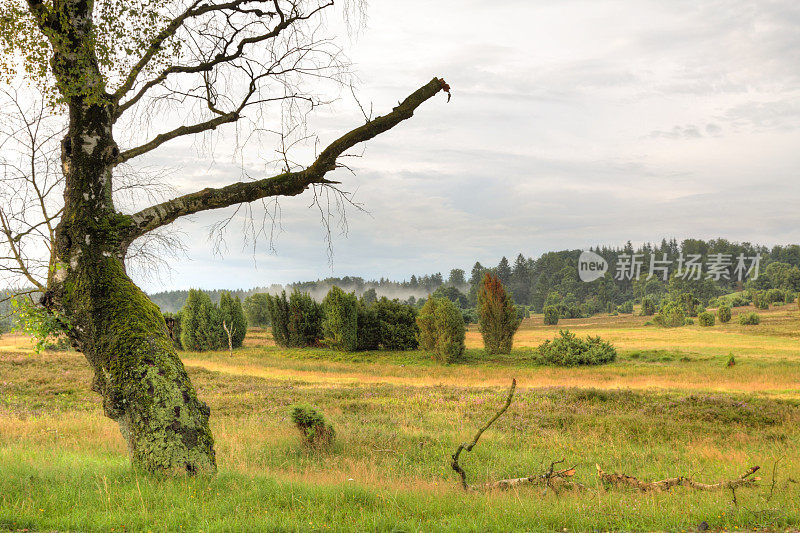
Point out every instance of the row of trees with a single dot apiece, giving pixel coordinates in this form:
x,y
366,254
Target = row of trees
x,y
348,323
552,280
342,321
203,325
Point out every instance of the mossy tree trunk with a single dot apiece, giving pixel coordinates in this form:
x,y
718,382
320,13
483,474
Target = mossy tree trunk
x,y
123,335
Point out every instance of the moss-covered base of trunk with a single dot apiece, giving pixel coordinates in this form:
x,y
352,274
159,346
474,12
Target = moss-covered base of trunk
x,y
144,385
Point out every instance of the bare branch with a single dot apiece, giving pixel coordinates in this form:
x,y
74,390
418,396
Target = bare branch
x,y
221,58
288,183
178,132
468,447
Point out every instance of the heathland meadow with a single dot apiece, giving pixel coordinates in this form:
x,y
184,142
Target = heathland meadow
x,y
670,405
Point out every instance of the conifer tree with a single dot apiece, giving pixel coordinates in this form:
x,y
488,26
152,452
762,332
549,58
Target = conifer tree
x,y
340,325
498,320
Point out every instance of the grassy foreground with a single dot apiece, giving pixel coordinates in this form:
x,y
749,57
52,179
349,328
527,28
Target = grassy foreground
x,y
669,406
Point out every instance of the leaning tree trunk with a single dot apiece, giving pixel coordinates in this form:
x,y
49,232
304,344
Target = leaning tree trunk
x,y
123,335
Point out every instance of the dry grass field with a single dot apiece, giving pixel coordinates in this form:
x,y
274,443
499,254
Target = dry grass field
x,y
668,406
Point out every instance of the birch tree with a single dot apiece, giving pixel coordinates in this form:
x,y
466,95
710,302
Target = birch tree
x,y
103,67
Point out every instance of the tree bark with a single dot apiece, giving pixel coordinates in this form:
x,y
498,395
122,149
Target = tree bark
x,y
123,335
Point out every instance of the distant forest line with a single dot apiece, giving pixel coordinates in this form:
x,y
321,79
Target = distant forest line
x,y
553,278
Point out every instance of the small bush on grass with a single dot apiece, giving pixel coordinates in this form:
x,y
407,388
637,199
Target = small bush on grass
x,y
316,432
706,319
760,300
551,315
671,315
648,307
441,329
724,314
749,319
626,307
775,295
569,350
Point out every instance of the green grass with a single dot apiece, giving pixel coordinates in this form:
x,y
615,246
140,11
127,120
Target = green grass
x,y
660,410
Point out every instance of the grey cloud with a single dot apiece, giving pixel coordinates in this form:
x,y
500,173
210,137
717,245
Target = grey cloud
x,y
631,121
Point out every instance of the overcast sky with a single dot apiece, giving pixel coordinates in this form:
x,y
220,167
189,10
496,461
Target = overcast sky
x,y
572,123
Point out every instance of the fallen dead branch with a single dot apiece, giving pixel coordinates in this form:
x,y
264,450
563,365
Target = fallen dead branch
x,y
665,484
550,479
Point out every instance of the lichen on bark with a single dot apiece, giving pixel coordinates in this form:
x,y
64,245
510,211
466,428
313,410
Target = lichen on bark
x,y
142,380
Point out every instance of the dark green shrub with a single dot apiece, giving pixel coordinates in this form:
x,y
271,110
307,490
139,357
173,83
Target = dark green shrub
x,y
749,319
760,300
278,309
470,316
788,297
398,325
688,322
569,350
724,314
340,324
316,432
201,323
232,316
368,328
256,310
550,315
626,307
690,304
706,319
305,320
775,295
426,324
441,329
296,321
671,315
498,320
738,301
648,307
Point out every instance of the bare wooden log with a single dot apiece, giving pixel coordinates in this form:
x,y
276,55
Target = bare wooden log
x,y
681,481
